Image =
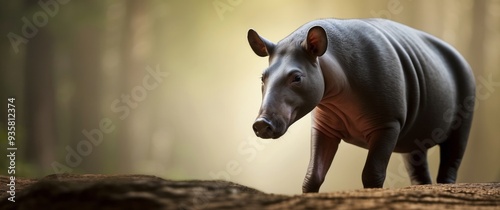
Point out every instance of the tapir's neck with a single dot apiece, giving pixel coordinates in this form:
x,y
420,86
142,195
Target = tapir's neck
x,y
334,77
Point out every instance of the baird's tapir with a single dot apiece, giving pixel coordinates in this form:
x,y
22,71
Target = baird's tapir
x,y
373,83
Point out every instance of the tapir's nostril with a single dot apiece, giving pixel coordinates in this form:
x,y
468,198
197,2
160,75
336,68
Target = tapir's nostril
x,y
263,128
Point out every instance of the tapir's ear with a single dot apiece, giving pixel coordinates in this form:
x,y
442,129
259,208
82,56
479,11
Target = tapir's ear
x,y
316,41
261,46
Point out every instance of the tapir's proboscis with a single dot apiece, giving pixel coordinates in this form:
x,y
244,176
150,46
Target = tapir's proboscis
x,y
373,83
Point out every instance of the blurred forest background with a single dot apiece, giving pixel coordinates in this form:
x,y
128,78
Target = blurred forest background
x,y
173,87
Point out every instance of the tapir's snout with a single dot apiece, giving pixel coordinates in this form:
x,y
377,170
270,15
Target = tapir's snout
x,y
266,129
263,128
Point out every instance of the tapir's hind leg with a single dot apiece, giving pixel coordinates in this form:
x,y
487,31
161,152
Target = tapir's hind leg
x,y
452,151
416,165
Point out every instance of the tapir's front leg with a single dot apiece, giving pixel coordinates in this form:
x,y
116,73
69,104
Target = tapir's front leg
x,y
381,145
323,149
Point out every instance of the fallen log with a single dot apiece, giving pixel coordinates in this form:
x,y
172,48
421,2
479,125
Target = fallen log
x,y
94,191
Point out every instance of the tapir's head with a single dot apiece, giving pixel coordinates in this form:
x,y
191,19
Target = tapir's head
x,y
293,83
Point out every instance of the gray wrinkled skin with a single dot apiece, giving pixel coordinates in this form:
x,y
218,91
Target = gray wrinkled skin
x,y
373,83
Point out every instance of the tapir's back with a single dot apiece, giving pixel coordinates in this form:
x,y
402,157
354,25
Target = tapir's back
x,y
401,72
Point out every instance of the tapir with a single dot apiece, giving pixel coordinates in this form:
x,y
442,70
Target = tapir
x,y
373,83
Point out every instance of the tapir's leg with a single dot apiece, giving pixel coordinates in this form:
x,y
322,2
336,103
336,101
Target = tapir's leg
x,y
323,149
381,145
451,153
416,165
453,148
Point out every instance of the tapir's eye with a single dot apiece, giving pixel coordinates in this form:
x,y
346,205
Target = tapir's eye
x,y
297,78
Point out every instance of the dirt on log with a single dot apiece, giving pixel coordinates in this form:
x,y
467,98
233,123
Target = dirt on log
x,y
70,191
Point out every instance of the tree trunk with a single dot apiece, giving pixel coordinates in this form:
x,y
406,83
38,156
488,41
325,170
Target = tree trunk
x,y
133,57
86,100
40,99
